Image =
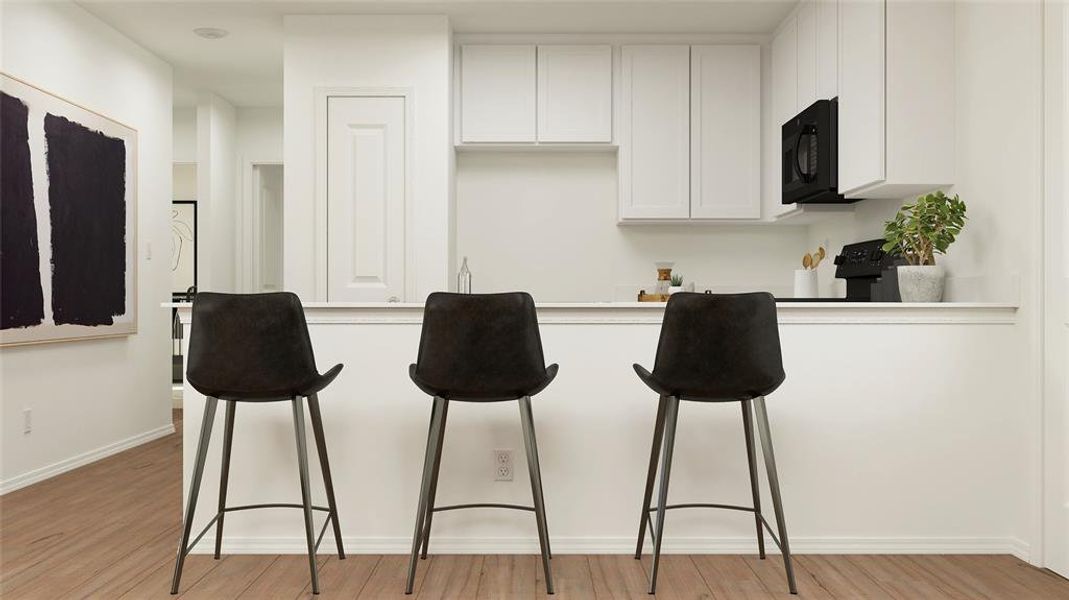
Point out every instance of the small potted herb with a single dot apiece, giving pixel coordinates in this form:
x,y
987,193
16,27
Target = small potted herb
x,y
677,284
918,232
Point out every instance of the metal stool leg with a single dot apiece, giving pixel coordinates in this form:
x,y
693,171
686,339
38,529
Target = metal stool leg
x,y
306,491
531,446
671,416
434,481
194,487
545,521
324,464
433,438
655,452
751,462
224,473
773,485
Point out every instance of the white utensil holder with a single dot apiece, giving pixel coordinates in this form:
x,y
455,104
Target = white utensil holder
x,y
805,283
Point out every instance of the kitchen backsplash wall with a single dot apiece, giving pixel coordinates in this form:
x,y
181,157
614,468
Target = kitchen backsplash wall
x,y
546,223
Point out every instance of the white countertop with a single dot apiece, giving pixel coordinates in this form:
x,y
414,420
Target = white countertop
x,y
608,313
783,304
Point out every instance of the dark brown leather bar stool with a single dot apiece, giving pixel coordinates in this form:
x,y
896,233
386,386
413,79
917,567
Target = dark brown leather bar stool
x,y
255,348
715,348
479,348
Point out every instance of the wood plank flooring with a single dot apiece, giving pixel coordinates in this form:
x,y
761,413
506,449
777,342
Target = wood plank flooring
x,y
109,530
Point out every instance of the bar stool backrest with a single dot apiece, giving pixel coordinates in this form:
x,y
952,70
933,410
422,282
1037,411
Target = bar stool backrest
x,y
481,346
720,346
253,346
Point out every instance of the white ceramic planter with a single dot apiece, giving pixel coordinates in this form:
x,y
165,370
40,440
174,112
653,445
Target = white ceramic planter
x,y
921,283
805,283
674,288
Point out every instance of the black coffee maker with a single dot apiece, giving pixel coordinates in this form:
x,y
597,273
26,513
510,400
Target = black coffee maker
x,y
869,272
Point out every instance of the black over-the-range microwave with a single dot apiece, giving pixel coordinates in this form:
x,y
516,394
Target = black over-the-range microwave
x,y
811,157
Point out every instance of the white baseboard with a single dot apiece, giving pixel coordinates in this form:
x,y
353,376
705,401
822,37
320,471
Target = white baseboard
x,y
705,545
68,464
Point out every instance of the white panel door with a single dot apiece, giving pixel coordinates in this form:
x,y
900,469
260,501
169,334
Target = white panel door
x,y
862,68
575,93
365,199
497,93
807,55
725,139
827,48
785,74
654,155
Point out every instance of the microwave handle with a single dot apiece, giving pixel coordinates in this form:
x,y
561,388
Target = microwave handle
x,y
806,176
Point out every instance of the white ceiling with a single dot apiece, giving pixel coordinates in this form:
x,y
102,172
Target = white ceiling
x,y
246,66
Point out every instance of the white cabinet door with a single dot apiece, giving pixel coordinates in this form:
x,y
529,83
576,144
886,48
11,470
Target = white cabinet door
x,y
497,93
807,55
862,134
365,198
785,73
654,155
827,48
725,139
575,93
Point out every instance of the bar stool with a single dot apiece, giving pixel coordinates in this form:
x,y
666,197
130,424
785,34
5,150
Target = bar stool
x,y
479,348
255,348
715,348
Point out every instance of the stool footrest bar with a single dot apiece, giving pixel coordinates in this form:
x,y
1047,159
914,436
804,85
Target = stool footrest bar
x,y
706,505
483,505
271,505
252,507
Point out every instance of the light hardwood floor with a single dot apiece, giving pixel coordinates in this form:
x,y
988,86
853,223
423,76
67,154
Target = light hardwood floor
x,y
109,530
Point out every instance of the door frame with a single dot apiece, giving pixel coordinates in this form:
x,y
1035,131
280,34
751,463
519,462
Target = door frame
x,y
249,223
1054,316
323,94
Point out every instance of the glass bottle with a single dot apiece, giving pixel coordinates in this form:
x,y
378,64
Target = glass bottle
x,y
464,278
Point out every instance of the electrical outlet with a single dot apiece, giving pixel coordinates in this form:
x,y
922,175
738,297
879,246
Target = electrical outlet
x,y
27,421
503,464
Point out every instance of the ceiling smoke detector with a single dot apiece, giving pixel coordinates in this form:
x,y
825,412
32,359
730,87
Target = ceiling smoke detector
x,y
211,33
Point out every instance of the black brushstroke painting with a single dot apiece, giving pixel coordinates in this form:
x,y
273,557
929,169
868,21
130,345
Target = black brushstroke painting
x,y
22,304
87,205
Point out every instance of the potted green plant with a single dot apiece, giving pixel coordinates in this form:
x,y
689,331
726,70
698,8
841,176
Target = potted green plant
x,y
677,284
917,233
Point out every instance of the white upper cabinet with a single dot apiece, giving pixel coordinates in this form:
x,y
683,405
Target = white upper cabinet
x,y
785,73
654,132
575,93
805,59
725,119
497,93
827,45
896,98
807,55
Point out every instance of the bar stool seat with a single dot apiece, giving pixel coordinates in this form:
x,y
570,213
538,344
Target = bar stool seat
x,y
715,348
483,394
728,392
256,348
479,348
304,389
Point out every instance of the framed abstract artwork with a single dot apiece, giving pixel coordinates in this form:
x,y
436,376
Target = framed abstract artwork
x,y
183,245
68,219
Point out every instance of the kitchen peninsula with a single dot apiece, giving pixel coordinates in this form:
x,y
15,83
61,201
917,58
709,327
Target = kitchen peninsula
x,y
843,421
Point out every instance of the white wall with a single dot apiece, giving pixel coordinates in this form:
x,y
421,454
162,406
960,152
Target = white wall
x,y
259,134
998,49
185,134
546,223
217,194
90,398
368,51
